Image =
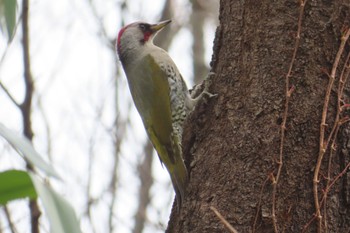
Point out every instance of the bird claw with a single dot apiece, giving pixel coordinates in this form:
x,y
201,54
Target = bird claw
x,y
197,88
195,97
211,73
210,95
207,83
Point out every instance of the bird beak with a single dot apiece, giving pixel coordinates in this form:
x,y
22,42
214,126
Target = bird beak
x,y
159,26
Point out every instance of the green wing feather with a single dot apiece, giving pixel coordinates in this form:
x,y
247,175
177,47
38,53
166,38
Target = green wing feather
x,y
150,91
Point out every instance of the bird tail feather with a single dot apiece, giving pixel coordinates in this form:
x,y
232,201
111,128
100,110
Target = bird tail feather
x,y
179,178
171,156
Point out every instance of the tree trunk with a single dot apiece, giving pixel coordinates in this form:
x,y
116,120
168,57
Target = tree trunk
x,y
270,153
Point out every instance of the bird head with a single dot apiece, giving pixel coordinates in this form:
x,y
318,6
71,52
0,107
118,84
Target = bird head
x,y
137,35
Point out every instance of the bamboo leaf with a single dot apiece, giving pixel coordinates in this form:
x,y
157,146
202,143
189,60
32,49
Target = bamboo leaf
x,y
60,213
15,184
26,149
8,14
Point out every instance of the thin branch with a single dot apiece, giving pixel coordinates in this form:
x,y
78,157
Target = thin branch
x,y
120,125
90,199
114,183
343,172
91,154
259,204
328,178
322,143
223,220
28,79
25,107
9,220
102,31
342,80
335,129
288,92
145,175
323,200
7,92
117,133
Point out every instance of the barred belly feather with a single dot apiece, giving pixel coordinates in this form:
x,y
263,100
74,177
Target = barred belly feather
x,y
178,91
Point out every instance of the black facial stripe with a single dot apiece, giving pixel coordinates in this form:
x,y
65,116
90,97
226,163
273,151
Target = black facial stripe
x,y
145,27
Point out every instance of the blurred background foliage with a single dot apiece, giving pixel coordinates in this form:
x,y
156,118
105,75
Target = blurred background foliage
x,y
62,87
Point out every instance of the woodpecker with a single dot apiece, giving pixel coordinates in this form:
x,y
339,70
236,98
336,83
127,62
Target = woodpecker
x,y
159,94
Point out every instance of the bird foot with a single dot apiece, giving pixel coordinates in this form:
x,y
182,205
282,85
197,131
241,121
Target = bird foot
x,y
210,95
197,88
195,97
207,83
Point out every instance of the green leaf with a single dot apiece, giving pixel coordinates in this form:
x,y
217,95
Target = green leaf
x,y
26,149
9,11
15,184
60,213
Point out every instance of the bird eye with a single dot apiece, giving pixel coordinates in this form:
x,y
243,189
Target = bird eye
x,y
143,27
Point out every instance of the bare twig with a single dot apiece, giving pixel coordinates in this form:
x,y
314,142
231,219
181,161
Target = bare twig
x,y
308,224
28,79
145,175
288,92
117,133
120,125
9,220
113,186
223,220
7,92
259,204
102,31
322,143
327,189
92,143
26,105
342,80
336,179
335,129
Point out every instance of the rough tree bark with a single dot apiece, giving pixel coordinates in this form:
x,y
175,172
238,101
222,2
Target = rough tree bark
x,y
270,153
